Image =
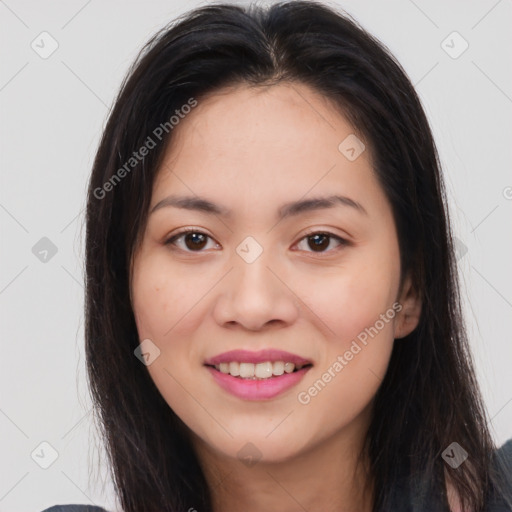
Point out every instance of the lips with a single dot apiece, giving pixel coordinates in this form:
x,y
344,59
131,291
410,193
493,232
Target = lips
x,y
253,378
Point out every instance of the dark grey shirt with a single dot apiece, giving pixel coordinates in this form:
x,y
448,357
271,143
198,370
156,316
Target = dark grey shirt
x,y
405,499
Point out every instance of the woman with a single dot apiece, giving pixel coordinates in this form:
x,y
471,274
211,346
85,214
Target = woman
x,y
272,308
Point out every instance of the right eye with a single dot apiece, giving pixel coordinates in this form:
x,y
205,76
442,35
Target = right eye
x,y
194,240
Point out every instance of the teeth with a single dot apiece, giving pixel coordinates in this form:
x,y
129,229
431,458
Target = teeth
x,y
289,367
278,368
234,369
246,370
257,371
263,370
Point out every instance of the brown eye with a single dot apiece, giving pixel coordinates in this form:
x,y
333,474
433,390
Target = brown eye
x,y
194,241
319,242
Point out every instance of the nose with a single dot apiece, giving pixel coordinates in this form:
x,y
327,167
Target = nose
x,y
256,296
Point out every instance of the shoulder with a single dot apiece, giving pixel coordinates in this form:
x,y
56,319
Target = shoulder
x,y
501,500
502,463
505,453
74,508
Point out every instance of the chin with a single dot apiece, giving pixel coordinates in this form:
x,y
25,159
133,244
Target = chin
x,y
252,447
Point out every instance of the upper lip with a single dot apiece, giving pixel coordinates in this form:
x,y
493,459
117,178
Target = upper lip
x,y
262,356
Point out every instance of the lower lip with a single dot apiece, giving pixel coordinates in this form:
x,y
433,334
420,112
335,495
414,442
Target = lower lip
x,y
262,389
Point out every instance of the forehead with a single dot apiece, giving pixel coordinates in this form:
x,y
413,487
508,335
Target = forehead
x,y
277,117
278,141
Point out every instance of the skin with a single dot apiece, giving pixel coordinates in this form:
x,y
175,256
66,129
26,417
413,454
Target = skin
x,y
252,150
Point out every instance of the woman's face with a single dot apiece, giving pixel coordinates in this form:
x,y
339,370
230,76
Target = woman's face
x,y
258,274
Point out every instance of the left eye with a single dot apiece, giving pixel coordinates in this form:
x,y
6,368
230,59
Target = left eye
x,y
195,241
321,240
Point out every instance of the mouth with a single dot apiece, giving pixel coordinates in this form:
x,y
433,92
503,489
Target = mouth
x,y
259,375
259,371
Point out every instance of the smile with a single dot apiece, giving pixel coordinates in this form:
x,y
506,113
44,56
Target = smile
x,y
260,375
259,371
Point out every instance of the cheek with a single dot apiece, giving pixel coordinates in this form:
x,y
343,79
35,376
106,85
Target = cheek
x,y
165,303
349,300
162,297
358,321
356,305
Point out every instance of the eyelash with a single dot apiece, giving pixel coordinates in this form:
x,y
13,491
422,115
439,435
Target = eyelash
x,y
342,242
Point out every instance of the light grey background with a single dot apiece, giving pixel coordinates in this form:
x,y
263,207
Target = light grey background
x,y
52,113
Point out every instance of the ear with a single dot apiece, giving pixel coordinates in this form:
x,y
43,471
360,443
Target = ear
x,y
408,317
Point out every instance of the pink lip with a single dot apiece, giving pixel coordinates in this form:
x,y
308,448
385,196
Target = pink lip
x,y
263,389
262,356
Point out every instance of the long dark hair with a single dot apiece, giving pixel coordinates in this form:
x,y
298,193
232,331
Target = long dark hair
x,y
429,397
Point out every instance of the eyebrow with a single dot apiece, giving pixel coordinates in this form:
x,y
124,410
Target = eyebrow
x,y
286,210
